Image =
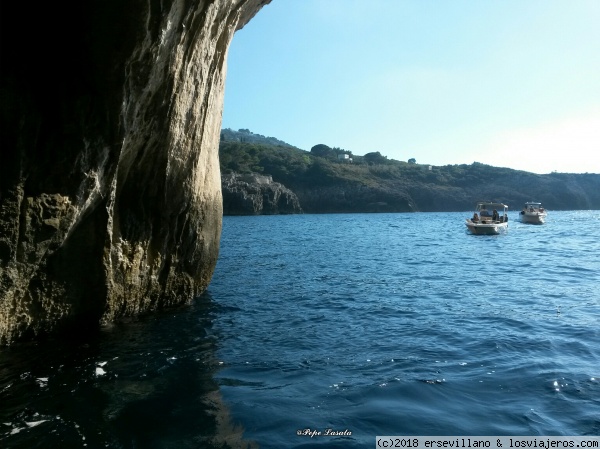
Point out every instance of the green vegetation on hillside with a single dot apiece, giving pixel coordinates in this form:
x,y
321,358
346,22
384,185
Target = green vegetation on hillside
x,y
324,181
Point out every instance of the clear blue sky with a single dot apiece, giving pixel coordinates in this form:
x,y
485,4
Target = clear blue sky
x,y
510,83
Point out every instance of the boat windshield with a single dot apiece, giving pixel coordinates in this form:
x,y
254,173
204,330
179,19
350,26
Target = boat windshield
x,y
484,208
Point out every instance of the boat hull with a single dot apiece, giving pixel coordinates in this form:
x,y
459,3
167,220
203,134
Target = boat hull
x,y
533,218
486,228
533,213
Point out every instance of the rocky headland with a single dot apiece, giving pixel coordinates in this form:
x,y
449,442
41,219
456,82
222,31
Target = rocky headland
x,y
254,194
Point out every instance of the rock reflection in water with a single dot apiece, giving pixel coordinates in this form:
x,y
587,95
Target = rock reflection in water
x,y
145,383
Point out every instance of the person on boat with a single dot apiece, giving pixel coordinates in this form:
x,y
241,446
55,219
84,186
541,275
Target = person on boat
x,y
475,217
495,216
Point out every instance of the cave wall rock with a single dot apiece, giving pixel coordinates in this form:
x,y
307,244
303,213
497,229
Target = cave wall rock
x,y
110,191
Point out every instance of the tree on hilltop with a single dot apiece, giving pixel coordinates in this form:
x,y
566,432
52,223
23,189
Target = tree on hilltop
x,y
322,150
375,158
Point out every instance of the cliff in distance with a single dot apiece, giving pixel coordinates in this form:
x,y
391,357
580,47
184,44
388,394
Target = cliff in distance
x,y
330,180
254,194
110,192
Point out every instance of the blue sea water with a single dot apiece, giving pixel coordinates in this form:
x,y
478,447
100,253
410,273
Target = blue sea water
x,y
366,324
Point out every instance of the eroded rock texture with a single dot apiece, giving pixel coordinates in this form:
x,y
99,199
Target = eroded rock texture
x,y
254,194
110,194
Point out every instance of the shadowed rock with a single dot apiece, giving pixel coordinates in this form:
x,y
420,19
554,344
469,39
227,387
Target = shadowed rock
x,y
110,192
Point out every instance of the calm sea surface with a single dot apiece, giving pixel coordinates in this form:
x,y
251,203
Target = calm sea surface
x,y
375,324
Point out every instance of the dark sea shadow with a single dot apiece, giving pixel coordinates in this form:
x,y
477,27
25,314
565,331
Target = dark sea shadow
x,y
145,383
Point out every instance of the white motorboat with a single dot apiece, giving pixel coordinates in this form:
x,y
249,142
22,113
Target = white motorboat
x,y
487,220
533,213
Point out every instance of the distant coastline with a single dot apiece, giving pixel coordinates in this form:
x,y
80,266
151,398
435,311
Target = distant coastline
x,y
332,180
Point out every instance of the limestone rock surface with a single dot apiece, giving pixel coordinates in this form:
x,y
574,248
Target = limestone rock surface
x,y
254,194
110,191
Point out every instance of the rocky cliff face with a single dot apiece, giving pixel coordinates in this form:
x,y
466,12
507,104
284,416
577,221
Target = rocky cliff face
x,y
353,198
110,192
254,194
